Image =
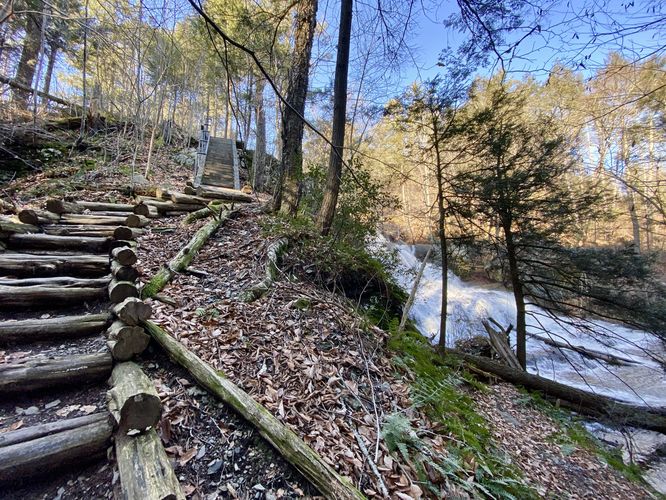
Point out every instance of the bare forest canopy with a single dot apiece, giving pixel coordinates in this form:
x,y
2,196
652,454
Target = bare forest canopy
x,y
529,135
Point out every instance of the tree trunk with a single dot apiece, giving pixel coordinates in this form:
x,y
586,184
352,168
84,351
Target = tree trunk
x,y
144,468
53,55
518,295
76,444
133,400
334,176
98,220
37,217
25,70
40,372
78,207
292,448
259,159
52,329
287,191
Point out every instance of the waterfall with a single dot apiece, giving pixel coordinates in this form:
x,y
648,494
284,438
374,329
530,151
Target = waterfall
x,y
642,382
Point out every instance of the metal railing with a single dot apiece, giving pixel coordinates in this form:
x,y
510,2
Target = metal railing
x,y
202,151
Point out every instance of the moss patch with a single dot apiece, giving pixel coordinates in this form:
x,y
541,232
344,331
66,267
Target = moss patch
x,y
473,463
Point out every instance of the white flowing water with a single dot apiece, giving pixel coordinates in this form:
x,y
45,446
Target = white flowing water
x,y
642,382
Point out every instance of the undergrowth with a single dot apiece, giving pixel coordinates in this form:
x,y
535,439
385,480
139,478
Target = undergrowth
x,y
573,435
339,264
473,462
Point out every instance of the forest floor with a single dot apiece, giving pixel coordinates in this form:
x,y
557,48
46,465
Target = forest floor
x,y
313,360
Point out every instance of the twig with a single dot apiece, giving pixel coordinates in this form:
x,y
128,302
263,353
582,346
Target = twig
x,y
371,463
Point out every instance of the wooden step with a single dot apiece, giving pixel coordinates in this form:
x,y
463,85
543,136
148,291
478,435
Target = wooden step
x,y
55,328
41,372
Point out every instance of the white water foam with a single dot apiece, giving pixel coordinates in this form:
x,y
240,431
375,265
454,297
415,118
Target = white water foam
x,y
642,382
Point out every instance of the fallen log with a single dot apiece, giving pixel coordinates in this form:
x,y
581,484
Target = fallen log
x,y
58,281
133,399
612,359
125,256
169,206
576,399
284,440
127,233
37,431
46,454
37,217
146,210
78,207
210,209
41,372
54,242
126,341
132,311
223,194
39,296
120,290
97,220
188,199
23,264
108,213
32,330
123,273
144,468
183,258
9,227
275,250
134,220
80,230
96,206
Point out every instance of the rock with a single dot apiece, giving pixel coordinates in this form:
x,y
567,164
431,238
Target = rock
x,y
259,487
33,410
138,179
52,404
214,466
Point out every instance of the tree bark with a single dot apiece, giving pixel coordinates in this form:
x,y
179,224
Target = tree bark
x,y
33,330
40,372
287,191
144,468
25,70
518,294
285,441
134,220
98,220
259,159
123,273
71,447
334,176
26,434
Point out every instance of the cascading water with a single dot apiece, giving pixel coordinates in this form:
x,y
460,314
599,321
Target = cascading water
x,y
642,381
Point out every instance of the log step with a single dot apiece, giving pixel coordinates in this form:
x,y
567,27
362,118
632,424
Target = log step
x,y
42,372
24,264
58,328
46,296
45,448
56,242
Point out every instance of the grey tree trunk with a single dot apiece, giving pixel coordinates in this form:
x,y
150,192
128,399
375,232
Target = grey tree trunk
x,y
259,160
330,201
286,194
